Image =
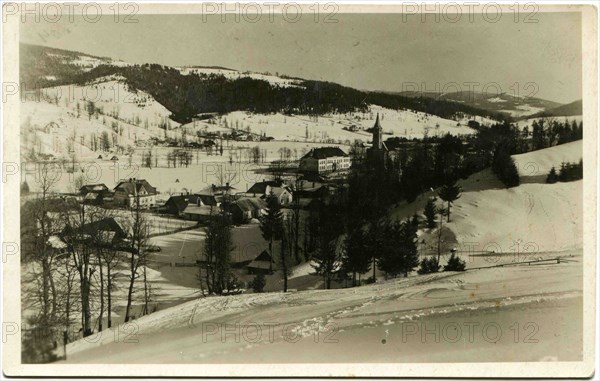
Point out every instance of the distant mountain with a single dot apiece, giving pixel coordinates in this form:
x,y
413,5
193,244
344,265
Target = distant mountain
x,y
189,91
570,109
504,103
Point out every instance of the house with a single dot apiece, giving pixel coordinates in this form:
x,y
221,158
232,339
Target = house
x,y
245,209
106,232
95,194
127,191
324,160
95,188
200,213
217,190
175,205
262,264
265,188
283,194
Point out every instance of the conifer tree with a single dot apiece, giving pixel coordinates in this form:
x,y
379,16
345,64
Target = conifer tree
x,y
552,176
450,193
430,212
356,257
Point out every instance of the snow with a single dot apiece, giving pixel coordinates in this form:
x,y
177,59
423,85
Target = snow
x,y
330,128
533,217
320,325
529,218
302,269
115,98
534,221
523,110
539,163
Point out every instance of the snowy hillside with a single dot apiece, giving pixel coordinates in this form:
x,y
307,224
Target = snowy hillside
x,y
533,217
296,327
340,127
114,98
538,163
56,130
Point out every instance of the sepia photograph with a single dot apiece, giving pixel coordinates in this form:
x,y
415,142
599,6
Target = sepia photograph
x,y
299,189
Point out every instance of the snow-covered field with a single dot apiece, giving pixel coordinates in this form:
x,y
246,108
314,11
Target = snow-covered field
x,y
471,316
233,166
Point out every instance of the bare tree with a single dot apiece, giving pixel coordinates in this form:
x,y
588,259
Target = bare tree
x,y
139,232
40,220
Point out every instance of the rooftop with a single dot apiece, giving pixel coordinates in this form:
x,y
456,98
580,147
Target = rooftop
x,y
325,152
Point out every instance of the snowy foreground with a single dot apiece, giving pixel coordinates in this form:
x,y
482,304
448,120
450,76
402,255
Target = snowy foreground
x,y
525,312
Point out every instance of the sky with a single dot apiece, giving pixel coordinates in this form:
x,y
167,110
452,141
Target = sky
x,y
386,52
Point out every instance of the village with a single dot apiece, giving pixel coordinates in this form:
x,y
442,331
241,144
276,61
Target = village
x,y
171,231
168,209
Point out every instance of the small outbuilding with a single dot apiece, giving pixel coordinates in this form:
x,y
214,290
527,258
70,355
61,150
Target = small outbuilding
x,y
262,264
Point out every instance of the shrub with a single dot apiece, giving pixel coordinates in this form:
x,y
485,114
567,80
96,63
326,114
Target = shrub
x,y
429,265
570,171
455,264
258,283
552,176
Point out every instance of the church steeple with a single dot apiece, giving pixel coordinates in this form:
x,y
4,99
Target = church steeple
x,y
377,134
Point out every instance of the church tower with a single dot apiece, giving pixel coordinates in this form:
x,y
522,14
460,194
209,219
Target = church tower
x,y
377,135
378,152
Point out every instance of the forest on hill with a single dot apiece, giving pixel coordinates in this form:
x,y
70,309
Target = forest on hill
x,y
192,94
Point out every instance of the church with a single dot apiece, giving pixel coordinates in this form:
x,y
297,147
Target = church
x,y
378,152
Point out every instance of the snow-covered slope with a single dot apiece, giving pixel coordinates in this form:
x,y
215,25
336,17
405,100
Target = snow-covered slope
x,y
538,163
339,127
533,217
114,98
321,325
59,124
57,131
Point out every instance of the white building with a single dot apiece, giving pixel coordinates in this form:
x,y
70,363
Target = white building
x,y
325,160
